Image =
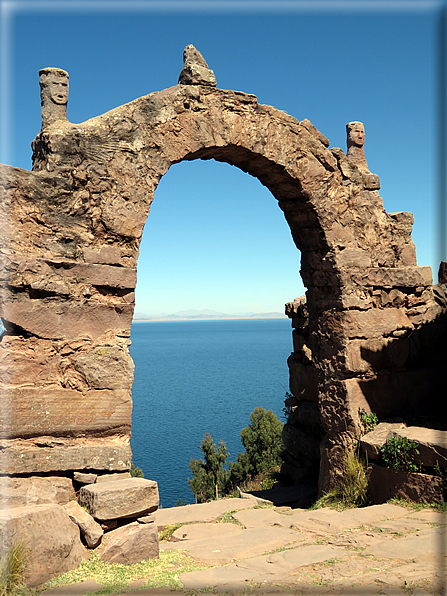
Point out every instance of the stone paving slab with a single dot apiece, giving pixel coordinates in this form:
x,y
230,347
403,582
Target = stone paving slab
x,y
248,543
396,526
230,576
326,520
430,516
413,546
257,518
203,512
289,560
201,531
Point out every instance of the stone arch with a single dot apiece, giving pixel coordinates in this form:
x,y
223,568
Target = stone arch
x,y
70,256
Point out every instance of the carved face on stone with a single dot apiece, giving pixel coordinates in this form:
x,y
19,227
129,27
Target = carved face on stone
x,y
356,134
57,89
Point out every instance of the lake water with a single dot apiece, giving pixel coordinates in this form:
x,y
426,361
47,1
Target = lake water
x,y
193,377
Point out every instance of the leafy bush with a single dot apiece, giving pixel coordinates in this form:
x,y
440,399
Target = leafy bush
x,y
12,570
368,421
399,453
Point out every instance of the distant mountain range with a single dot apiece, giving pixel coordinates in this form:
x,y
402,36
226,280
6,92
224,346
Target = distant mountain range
x,y
205,315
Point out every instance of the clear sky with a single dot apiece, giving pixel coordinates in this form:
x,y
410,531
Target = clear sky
x,y
215,237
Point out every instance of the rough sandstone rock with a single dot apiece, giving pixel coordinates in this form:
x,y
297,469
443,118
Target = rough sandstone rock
x,y
90,529
117,499
195,70
50,537
372,442
130,544
112,477
84,478
35,490
431,444
385,483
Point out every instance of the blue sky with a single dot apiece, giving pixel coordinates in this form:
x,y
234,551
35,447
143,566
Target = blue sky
x,y
215,237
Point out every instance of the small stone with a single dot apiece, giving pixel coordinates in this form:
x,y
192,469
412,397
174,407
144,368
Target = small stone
x,y
90,529
195,70
84,478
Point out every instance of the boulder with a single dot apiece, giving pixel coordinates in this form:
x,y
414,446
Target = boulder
x,y
132,497
130,544
432,444
90,529
374,440
36,490
50,537
385,483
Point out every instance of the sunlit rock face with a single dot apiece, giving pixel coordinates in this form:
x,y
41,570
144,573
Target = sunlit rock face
x,y
71,234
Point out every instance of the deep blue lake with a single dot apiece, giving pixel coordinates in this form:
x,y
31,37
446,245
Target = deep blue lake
x,y
193,377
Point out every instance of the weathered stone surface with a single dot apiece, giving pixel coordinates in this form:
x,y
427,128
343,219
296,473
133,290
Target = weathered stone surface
x,y
432,444
130,544
35,490
303,380
122,498
107,367
300,443
374,323
247,543
84,478
401,277
32,412
112,477
385,483
377,354
50,537
47,454
206,512
195,70
203,531
90,529
67,320
372,442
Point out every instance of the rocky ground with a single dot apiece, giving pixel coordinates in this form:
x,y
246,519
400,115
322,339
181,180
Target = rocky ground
x,y
258,549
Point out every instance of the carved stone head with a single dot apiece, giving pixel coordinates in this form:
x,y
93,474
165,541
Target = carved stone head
x,y
53,94
356,134
355,140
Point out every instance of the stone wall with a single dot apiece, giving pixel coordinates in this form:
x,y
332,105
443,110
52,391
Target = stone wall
x,y
71,231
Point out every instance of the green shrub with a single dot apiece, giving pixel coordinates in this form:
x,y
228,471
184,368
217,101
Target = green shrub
x,y
263,446
12,570
399,453
368,421
210,476
352,489
136,472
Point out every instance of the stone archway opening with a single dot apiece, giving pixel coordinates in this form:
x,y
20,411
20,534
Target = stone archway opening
x,y
245,252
